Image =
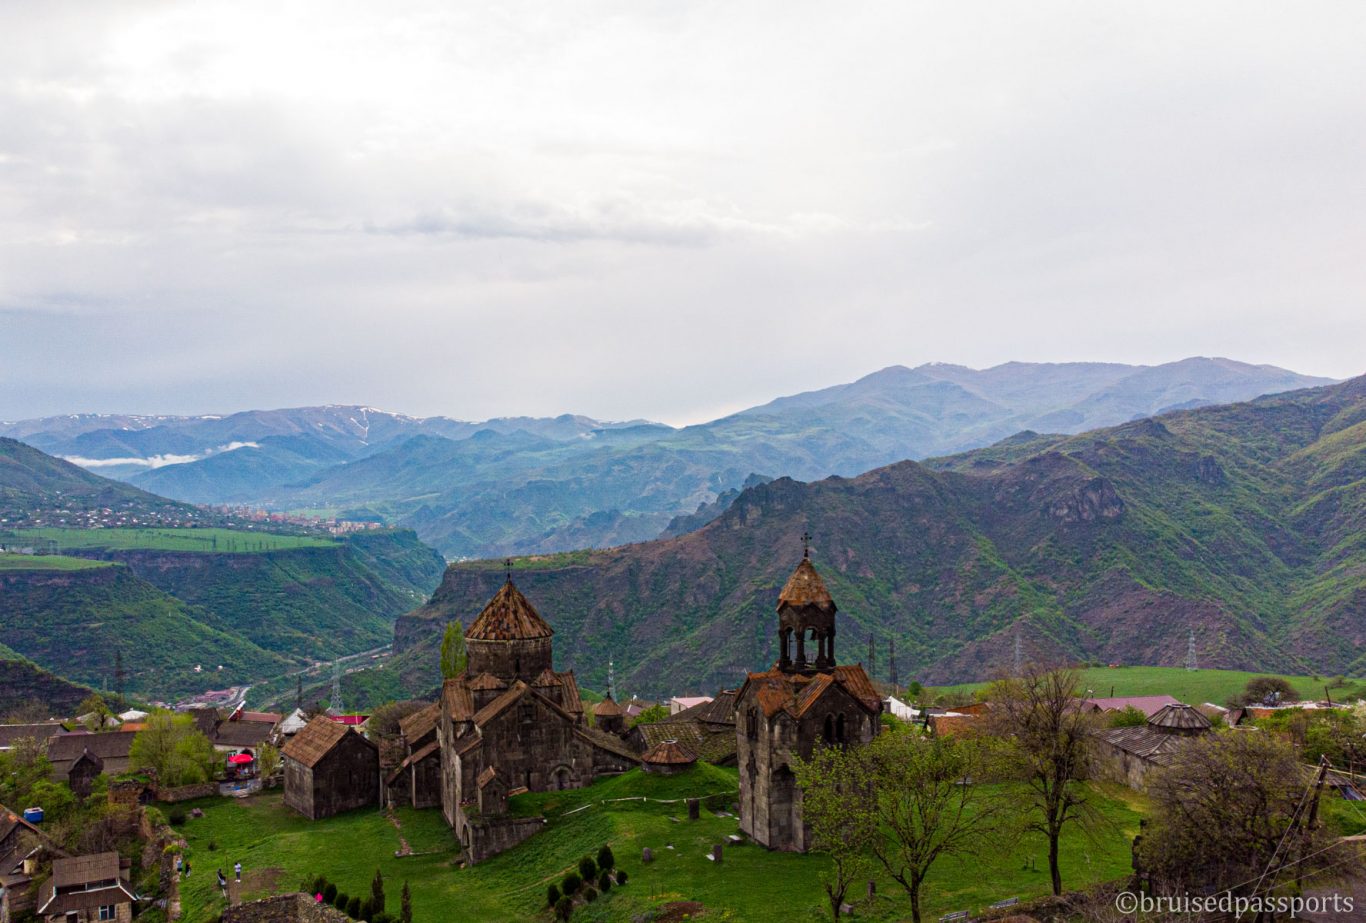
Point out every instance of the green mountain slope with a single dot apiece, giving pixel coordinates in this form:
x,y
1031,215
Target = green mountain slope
x,y
1240,523
72,623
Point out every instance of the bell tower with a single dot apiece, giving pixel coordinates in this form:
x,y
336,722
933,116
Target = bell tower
x,y
806,614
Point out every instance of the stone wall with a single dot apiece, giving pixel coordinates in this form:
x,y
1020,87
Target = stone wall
x,y
488,838
186,792
284,908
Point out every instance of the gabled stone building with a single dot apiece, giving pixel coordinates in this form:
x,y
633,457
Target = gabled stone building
x,y
804,702
330,768
510,723
417,780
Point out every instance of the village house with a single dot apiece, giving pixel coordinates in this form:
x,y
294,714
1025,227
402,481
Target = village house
x,y
73,756
330,768
1127,754
510,723
23,849
86,889
12,734
790,710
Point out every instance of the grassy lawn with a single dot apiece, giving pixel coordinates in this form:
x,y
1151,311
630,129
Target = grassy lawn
x,y
1190,686
219,540
279,849
47,562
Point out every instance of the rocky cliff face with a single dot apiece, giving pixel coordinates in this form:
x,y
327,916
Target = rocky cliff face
x,y
1240,522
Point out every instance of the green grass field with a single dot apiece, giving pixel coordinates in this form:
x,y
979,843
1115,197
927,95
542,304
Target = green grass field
x,y
207,540
279,849
1190,686
47,562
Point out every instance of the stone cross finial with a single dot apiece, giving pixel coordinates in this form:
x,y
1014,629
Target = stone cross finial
x,y
806,544
507,564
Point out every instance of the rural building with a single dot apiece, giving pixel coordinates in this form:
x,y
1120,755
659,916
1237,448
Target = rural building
x,y
795,707
23,849
417,780
110,749
12,734
330,768
510,723
1126,754
681,702
1148,704
86,889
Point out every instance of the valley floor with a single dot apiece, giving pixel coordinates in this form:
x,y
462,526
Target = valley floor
x,y
279,849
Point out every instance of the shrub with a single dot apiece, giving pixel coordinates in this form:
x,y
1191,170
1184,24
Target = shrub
x,y
571,883
605,881
329,894
367,910
213,844
177,818
621,877
590,895
319,885
564,908
605,858
353,908
340,901
552,894
587,868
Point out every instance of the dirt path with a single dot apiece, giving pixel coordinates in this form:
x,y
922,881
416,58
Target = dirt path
x,y
403,848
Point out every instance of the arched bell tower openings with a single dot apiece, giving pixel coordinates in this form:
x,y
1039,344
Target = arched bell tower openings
x,y
806,614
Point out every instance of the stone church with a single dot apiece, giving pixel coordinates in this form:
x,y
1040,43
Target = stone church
x,y
509,724
807,700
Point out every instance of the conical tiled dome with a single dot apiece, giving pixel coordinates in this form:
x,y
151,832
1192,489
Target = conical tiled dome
x,y
806,588
508,617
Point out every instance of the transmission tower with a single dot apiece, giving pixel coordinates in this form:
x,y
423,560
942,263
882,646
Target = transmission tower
x,y
1190,652
611,681
336,687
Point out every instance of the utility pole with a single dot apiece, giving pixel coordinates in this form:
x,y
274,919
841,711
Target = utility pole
x,y
891,663
336,687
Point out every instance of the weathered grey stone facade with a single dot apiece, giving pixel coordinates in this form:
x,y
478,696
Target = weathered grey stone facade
x,y
510,724
803,703
330,768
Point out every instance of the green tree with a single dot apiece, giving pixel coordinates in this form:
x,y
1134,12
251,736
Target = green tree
x,y
453,651
1127,717
837,807
651,715
172,747
377,892
406,905
22,767
1053,748
606,861
267,760
95,712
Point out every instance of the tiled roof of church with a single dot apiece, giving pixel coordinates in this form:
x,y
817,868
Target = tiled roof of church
x,y
508,617
669,753
316,740
495,707
607,708
794,693
488,775
806,588
420,723
573,702
485,682
609,742
456,698
548,677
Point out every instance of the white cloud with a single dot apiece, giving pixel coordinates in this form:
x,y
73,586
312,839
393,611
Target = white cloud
x,y
156,461
661,209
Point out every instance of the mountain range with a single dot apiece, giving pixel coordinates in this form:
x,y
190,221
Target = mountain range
x,y
1240,526
538,485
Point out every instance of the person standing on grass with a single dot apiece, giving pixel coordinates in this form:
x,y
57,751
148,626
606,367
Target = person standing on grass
x,y
237,870
223,882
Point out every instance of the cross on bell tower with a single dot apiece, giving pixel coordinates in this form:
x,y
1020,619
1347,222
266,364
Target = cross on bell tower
x,y
507,565
806,546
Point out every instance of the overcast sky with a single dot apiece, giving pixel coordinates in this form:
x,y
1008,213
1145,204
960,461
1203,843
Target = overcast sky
x,y
666,210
